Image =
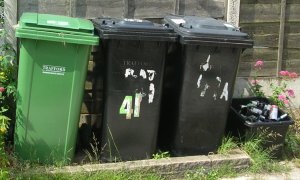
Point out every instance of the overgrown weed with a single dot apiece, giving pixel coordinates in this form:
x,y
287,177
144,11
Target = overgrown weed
x,y
161,155
262,157
113,175
225,170
228,144
95,154
292,139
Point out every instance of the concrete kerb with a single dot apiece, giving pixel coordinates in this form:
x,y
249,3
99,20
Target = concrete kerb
x,y
239,159
174,166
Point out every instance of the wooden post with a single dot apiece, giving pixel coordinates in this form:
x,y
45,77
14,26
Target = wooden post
x,y
176,9
11,19
233,12
129,8
281,37
71,8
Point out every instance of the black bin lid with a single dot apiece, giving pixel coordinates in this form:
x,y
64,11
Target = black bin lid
x,y
207,31
133,29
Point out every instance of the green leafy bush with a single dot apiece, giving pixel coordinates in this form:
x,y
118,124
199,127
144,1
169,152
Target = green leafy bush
x,y
8,71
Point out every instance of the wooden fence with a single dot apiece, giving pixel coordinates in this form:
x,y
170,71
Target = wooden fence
x,y
149,9
262,20
124,8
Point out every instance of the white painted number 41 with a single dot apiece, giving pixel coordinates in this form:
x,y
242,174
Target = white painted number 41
x,y
126,107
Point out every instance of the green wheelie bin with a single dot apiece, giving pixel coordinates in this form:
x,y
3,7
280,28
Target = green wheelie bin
x,y
54,52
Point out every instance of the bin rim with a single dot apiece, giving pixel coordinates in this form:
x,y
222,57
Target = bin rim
x,y
128,29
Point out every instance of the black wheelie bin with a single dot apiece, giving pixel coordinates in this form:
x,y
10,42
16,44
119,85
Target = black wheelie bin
x,y
134,54
199,83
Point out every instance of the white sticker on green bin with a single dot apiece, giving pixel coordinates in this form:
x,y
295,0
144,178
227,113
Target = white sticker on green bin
x,y
55,70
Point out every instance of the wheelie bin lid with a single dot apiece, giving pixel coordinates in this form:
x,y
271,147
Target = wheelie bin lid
x,y
56,28
207,31
133,29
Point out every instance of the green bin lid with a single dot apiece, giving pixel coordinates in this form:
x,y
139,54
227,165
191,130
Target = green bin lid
x,y
56,28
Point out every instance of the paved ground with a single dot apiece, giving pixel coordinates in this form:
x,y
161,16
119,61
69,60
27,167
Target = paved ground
x,y
294,174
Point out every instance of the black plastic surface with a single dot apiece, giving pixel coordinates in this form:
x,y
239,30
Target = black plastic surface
x,y
193,121
133,65
133,29
208,31
239,127
199,81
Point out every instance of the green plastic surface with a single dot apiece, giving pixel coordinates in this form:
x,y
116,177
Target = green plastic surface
x,y
51,82
56,28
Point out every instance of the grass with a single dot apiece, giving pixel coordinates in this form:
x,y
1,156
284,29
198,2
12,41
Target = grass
x,y
111,175
4,157
4,160
27,170
262,162
226,170
94,155
228,144
261,158
161,155
4,173
296,162
292,144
